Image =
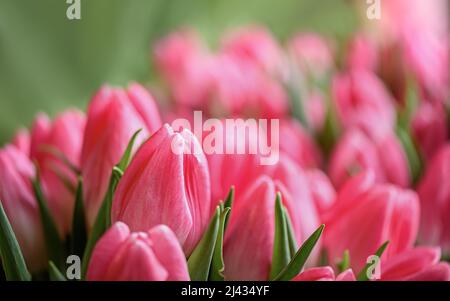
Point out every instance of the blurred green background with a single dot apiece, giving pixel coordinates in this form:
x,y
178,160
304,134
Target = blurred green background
x,y
48,62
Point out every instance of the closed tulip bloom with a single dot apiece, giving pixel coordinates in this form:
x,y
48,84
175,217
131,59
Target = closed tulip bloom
x,y
322,190
325,273
49,141
366,218
418,264
249,238
114,115
121,255
362,101
435,201
17,198
429,127
167,182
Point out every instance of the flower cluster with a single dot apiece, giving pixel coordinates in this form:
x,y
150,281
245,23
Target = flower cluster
x,y
359,190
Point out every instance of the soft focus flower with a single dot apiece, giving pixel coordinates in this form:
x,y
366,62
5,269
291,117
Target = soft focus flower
x,y
325,273
434,193
51,140
114,115
322,190
429,127
249,238
356,152
363,218
21,140
167,182
154,255
418,264
362,101
17,198
362,53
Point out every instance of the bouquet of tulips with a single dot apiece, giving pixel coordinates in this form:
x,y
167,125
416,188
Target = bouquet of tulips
x,y
316,159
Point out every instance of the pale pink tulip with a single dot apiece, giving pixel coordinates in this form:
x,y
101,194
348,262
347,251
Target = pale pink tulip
x,y
154,255
114,115
434,195
21,140
18,200
322,191
325,273
167,182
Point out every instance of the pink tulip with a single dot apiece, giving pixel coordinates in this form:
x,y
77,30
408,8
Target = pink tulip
x,y
17,198
418,264
362,53
435,201
312,53
363,218
322,191
249,238
254,45
429,127
324,274
186,66
298,144
356,152
154,255
21,140
114,115
65,136
362,101
167,182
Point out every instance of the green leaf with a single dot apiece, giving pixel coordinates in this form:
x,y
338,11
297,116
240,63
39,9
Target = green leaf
x,y
299,260
412,154
11,256
229,203
281,248
344,264
55,274
103,219
218,265
362,276
199,263
55,247
79,232
329,134
291,237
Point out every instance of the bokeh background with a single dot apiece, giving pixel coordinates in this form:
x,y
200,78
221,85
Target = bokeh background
x,y
48,62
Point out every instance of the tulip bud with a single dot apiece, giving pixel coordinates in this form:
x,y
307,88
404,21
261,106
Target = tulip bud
x,y
435,201
249,239
21,140
167,182
322,191
363,218
114,115
363,102
50,141
418,264
17,197
154,255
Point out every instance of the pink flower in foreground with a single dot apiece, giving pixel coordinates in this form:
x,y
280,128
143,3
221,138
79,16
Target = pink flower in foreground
x,y
17,198
167,182
365,216
21,140
324,274
121,255
418,264
49,141
114,115
434,193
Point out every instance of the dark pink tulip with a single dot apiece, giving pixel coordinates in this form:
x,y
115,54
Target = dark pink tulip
x,y
312,53
114,115
254,45
429,127
363,218
435,201
418,264
167,182
17,198
325,273
355,152
322,190
362,101
249,237
63,135
21,140
154,255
